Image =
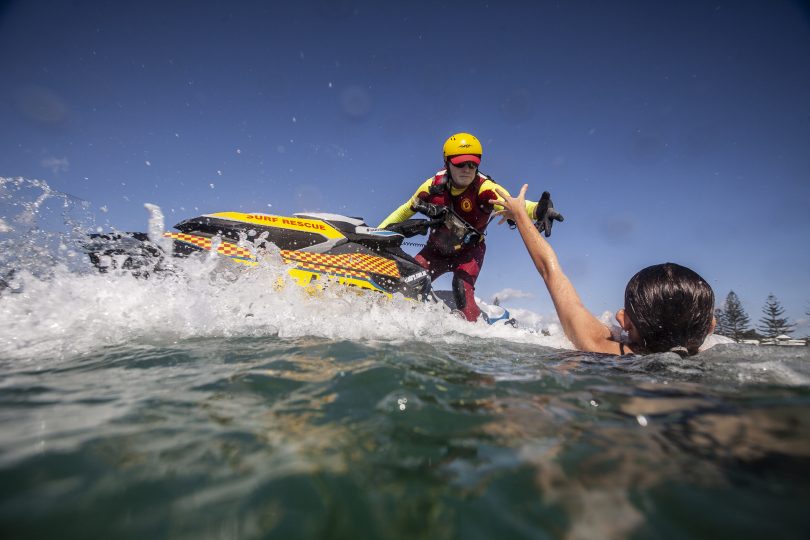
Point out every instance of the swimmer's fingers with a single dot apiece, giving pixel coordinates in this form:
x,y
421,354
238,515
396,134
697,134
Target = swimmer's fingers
x,y
501,193
507,201
503,215
521,196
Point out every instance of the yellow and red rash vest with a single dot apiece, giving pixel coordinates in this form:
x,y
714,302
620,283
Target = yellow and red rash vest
x,y
481,190
471,205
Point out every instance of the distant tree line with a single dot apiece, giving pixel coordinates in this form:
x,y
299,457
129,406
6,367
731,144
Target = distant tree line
x,y
733,321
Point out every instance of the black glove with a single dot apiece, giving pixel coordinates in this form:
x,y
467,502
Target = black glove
x,y
411,227
429,209
545,214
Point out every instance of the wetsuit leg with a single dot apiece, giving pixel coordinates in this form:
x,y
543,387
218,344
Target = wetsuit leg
x,y
432,261
463,283
464,276
459,292
465,268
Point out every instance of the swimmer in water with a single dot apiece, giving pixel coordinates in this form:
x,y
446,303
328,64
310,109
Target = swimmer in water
x,y
667,307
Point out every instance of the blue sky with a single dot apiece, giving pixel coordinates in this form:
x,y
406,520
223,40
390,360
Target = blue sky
x,y
665,131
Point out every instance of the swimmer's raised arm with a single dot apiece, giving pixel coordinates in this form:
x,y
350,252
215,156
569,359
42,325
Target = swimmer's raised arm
x,y
580,326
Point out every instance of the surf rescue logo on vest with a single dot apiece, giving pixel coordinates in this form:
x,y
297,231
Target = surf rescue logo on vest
x,y
466,204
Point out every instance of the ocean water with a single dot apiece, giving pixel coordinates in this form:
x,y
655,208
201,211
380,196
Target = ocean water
x,y
209,404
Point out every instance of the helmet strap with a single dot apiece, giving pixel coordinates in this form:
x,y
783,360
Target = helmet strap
x,y
449,173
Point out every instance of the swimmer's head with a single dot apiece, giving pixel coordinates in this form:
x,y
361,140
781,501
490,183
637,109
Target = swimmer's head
x,y
671,308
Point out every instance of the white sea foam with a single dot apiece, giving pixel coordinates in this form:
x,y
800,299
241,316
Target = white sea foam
x,y
68,313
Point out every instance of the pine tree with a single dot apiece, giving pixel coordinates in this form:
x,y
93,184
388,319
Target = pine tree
x,y
722,328
735,319
773,324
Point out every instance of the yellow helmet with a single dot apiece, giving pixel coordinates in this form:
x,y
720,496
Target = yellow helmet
x,y
463,147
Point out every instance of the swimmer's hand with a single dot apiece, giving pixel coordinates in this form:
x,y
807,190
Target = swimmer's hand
x,y
545,214
511,205
429,209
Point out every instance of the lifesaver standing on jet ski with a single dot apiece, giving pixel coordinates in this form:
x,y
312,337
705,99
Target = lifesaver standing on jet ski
x,y
465,198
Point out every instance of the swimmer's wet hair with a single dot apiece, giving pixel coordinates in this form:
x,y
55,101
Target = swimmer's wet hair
x,y
671,306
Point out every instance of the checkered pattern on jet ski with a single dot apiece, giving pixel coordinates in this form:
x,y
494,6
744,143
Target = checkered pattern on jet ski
x,y
329,270
349,261
224,248
350,264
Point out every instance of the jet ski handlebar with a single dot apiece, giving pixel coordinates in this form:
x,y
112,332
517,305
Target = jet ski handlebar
x,y
433,211
414,227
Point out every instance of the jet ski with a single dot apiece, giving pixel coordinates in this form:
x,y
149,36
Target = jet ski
x,y
315,246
